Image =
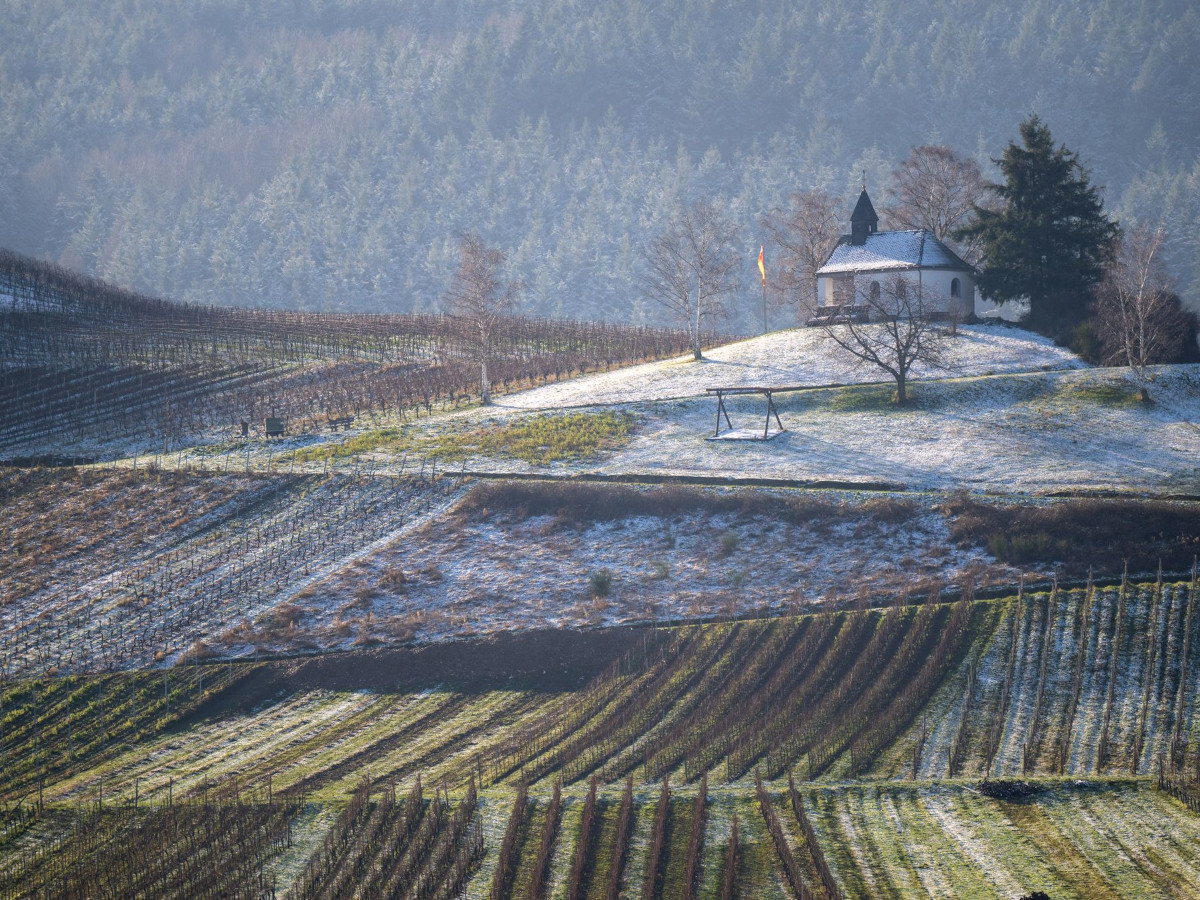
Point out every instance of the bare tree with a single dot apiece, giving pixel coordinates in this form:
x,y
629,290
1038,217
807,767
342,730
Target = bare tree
x,y
1139,320
805,233
481,297
938,190
693,268
893,329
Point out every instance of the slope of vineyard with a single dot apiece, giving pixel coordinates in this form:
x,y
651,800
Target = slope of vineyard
x,y
1026,685
105,372
179,563
447,656
1011,413
1044,740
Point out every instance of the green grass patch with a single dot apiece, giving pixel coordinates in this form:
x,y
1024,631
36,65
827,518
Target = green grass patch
x,y
367,442
866,398
1116,394
540,439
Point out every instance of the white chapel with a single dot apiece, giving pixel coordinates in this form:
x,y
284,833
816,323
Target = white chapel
x,y
866,258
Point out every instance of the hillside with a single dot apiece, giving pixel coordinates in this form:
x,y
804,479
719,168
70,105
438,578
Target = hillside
x,y
322,155
1013,413
872,729
109,372
567,646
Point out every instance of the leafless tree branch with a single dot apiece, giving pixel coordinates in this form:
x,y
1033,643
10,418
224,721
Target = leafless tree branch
x,y
804,233
892,329
693,268
481,297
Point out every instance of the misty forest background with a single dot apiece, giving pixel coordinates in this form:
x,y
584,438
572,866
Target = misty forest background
x,y
324,154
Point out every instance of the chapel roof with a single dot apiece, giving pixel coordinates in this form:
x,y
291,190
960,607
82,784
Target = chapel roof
x,y
883,251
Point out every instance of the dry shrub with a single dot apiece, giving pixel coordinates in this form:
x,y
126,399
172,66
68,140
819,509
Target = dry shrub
x,y
284,617
363,594
396,580
888,509
573,504
307,593
1082,533
199,652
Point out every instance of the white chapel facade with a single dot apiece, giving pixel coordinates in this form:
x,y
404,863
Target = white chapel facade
x,y
865,260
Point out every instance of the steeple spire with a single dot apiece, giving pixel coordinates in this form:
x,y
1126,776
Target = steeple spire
x,y
863,220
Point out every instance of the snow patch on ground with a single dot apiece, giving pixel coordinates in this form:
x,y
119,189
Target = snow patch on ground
x,y
799,356
1024,433
491,574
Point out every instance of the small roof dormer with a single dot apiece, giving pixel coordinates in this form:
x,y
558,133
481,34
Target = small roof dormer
x,y
863,220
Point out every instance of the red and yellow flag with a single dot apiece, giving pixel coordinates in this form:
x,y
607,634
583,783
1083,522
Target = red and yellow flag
x,y
761,266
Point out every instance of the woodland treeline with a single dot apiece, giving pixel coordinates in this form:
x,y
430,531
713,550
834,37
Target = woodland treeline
x,y
324,154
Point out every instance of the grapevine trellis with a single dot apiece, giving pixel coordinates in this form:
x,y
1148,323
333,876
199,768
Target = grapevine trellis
x,y
796,708
210,850
86,362
164,600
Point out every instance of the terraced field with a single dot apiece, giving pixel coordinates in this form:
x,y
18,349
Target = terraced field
x,y
985,748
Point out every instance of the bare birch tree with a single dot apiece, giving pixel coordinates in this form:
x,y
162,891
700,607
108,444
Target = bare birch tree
x,y
893,329
1138,318
805,233
481,297
693,269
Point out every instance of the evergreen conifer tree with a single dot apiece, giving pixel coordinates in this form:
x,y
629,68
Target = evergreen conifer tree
x,y
1050,239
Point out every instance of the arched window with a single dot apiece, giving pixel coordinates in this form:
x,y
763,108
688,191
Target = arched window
x,y
955,289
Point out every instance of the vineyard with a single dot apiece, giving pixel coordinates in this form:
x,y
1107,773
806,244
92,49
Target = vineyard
x,y
372,664
108,371
1044,740
143,593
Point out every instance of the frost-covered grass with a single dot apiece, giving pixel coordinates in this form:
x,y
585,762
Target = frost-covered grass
x,y
488,570
1031,421
791,357
1095,839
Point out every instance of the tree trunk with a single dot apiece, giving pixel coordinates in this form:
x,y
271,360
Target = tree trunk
x,y
485,389
901,392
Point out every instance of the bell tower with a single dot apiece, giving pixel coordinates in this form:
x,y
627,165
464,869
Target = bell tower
x,y
863,220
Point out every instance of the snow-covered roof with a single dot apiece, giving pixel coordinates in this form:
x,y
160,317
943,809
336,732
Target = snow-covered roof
x,y
891,250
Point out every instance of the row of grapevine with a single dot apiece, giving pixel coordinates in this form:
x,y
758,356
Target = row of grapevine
x,y
55,725
60,316
791,868
385,848
192,850
157,606
831,695
92,363
1077,680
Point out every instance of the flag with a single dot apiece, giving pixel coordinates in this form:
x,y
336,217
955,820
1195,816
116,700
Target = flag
x,y
761,267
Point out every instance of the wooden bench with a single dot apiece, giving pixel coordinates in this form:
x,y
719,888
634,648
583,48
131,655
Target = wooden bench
x,y
343,422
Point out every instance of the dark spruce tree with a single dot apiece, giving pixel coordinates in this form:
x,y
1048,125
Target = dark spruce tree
x,y
1049,240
